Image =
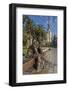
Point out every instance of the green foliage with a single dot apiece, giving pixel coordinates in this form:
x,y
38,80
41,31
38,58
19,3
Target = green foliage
x,y
32,30
25,50
40,34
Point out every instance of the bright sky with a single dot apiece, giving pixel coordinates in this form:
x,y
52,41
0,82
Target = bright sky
x,y
43,20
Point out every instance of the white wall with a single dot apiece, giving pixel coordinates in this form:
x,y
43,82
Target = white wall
x,y
4,44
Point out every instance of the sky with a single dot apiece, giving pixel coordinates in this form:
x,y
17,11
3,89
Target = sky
x,y
43,20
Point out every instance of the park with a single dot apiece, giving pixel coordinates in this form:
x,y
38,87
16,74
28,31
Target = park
x,y
39,44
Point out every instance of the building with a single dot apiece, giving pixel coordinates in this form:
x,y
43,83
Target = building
x,y
49,37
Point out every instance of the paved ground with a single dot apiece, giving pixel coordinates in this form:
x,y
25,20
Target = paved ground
x,y
51,57
50,65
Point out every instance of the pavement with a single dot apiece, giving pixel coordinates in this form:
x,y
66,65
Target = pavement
x,y
51,57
